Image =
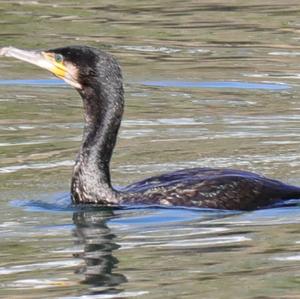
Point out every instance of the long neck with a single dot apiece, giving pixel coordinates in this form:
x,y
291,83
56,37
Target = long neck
x,y
103,109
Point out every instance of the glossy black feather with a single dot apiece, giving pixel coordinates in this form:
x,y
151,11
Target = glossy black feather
x,y
211,188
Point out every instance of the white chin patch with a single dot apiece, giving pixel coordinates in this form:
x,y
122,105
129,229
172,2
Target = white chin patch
x,y
72,83
72,75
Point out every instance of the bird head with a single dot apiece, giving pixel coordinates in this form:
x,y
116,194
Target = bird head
x,y
76,65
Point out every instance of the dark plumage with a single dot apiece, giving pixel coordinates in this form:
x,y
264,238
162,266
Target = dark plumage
x,y
97,77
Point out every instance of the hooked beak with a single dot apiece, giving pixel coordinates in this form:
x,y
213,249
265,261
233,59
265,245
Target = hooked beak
x,y
46,61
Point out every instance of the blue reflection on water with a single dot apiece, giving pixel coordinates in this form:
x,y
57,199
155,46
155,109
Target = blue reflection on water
x,y
220,84
36,82
174,84
126,215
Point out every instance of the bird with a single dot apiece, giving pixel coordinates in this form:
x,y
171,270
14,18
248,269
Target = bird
x,y
97,77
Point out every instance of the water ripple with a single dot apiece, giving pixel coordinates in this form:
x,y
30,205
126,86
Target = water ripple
x,y
109,296
292,258
15,168
5,270
186,242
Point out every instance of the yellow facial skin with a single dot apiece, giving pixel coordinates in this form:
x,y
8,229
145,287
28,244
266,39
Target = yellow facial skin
x,y
58,67
62,69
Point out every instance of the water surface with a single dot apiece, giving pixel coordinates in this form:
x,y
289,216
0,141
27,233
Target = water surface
x,y
214,84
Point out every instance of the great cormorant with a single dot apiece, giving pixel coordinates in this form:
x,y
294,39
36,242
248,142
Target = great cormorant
x,y
96,75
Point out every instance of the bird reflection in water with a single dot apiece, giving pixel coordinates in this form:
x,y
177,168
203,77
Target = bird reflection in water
x,y
92,232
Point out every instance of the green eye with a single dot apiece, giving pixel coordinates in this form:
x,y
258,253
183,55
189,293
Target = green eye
x,y
58,58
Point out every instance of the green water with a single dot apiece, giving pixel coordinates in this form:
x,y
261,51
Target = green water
x,y
212,83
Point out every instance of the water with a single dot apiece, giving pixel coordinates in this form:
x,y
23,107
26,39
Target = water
x,y
213,84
